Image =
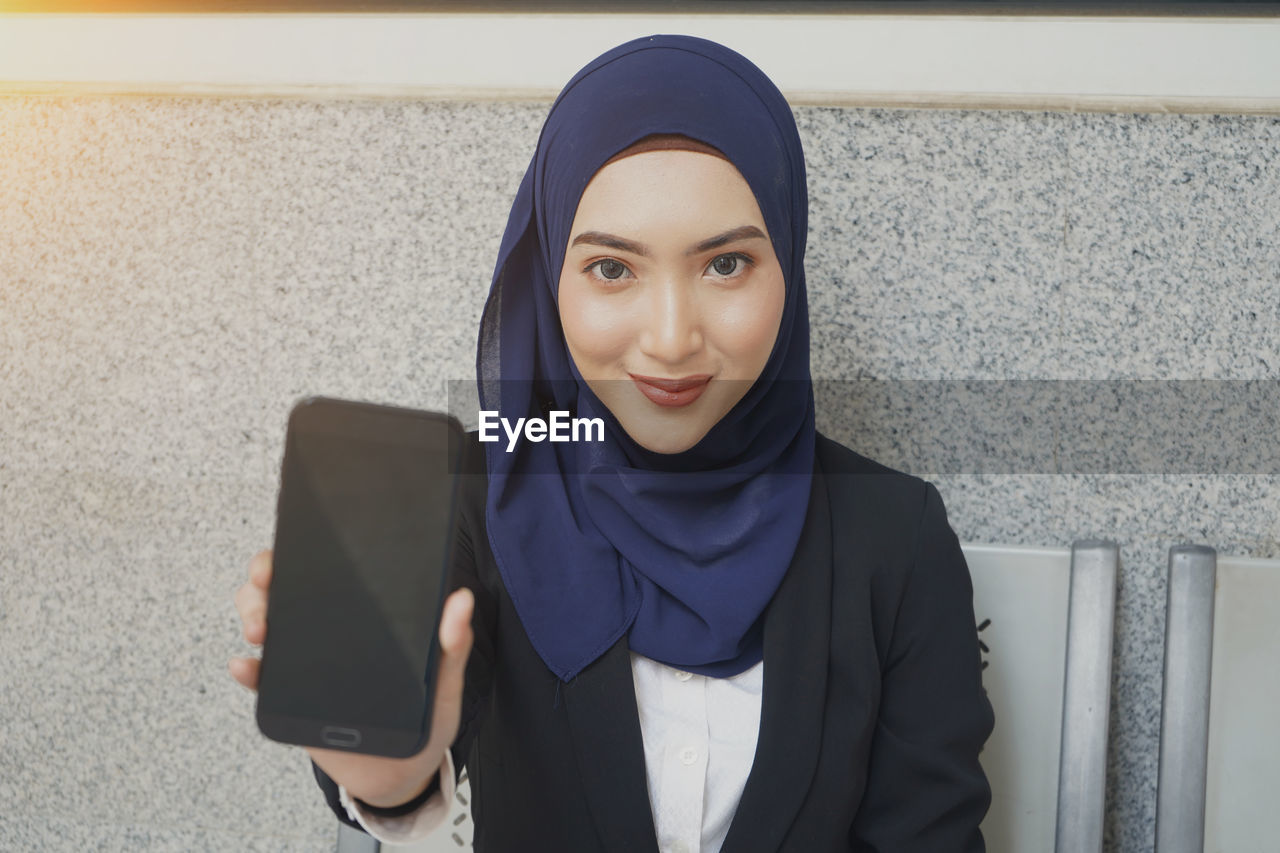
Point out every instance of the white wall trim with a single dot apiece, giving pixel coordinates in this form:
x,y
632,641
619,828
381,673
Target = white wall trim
x,y
1173,64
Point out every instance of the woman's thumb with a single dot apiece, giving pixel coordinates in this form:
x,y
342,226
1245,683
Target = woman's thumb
x,y
455,643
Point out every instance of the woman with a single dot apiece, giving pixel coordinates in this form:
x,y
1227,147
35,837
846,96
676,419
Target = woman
x,y
716,629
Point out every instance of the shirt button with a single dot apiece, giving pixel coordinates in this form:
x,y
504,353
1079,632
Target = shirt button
x,y
684,676
688,755
679,847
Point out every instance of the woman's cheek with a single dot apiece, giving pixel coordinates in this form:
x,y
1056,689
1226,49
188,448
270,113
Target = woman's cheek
x,y
595,328
748,327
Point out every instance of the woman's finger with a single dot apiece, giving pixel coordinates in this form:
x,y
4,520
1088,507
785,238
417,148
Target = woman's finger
x,y
260,569
455,646
455,624
245,671
248,599
251,599
255,631
251,604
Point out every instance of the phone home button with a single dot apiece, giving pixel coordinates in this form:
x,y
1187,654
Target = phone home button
x,y
339,736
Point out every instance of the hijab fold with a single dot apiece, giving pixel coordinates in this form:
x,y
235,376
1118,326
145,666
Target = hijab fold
x,y
680,552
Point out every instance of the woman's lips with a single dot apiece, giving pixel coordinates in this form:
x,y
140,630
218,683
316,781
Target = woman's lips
x,y
672,392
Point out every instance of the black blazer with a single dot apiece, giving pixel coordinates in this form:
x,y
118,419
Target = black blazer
x,y
871,720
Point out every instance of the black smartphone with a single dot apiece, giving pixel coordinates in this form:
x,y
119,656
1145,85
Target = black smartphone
x,y
364,531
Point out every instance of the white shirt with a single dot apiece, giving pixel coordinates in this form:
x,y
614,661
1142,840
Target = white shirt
x,y
699,742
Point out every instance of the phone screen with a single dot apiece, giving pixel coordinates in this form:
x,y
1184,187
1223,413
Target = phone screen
x,y
363,532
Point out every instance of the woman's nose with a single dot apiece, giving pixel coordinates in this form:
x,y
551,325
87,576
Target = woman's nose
x,y
672,332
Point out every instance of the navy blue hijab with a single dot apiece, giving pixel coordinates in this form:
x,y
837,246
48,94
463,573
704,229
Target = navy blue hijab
x,y
681,552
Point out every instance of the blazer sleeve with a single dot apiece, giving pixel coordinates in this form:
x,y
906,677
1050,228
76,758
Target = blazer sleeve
x,y
470,537
926,792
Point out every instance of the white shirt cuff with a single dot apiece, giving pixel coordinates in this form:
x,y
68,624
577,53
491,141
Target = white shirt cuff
x,y
415,825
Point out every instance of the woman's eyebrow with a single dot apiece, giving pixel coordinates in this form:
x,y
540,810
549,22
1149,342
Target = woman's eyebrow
x,y
742,232
611,241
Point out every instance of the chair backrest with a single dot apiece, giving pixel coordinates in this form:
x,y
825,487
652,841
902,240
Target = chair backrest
x,y
1219,744
1242,811
1045,618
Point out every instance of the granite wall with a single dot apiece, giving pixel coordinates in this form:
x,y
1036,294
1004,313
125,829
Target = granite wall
x,y
176,272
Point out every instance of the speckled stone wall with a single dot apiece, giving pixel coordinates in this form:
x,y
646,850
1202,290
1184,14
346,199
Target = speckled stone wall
x,y
175,272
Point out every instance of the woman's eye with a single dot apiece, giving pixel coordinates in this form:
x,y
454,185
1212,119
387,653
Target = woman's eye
x,y
729,265
609,269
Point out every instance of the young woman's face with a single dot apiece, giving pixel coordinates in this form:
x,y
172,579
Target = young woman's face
x,y
670,295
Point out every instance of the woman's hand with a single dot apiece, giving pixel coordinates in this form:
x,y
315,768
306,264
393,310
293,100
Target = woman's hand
x,y
377,780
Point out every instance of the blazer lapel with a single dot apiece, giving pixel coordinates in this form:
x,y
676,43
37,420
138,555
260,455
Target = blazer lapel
x,y
609,748
797,635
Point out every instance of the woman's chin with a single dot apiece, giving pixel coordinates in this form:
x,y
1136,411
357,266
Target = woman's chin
x,y
660,435
665,445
